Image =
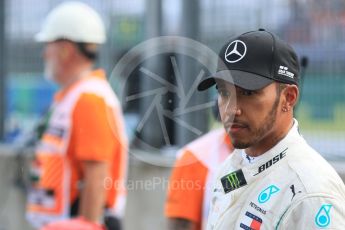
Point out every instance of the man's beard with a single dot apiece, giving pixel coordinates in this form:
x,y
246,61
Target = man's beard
x,y
259,133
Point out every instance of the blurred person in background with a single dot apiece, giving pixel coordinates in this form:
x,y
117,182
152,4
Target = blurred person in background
x,y
83,142
189,192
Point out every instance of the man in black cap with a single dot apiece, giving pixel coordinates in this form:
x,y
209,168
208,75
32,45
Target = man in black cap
x,y
274,179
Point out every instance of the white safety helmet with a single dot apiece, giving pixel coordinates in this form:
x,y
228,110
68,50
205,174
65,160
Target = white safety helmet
x,y
74,21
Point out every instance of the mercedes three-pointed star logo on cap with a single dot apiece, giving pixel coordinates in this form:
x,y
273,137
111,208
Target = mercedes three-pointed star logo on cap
x,y
235,51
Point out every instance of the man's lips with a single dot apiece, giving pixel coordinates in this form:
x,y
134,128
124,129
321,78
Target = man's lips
x,y
235,127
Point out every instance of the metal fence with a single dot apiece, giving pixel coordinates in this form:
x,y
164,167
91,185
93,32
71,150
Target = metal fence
x,y
315,28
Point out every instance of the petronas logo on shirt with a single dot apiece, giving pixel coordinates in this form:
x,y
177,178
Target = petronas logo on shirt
x,y
233,180
322,218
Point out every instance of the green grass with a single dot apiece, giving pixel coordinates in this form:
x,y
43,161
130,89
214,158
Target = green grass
x,y
307,123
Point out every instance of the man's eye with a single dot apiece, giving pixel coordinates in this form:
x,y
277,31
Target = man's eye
x,y
247,92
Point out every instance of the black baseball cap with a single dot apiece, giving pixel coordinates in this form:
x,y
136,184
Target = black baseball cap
x,y
253,60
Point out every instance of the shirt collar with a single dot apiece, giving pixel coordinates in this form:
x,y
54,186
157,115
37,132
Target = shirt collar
x,y
248,159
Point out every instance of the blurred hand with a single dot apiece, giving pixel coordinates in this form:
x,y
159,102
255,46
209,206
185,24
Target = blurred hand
x,y
73,224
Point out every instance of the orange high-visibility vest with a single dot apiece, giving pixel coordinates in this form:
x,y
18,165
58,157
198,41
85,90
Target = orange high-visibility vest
x,y
191,180
86,124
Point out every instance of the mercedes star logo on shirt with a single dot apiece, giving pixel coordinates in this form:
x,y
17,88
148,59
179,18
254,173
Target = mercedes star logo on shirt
x,y
235,51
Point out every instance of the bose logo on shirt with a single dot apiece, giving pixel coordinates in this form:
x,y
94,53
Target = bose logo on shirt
x,y
271,162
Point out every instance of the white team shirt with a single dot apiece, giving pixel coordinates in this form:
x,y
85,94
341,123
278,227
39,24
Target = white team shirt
x,y
289,187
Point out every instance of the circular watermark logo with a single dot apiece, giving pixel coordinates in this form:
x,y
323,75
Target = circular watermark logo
x,y
161,94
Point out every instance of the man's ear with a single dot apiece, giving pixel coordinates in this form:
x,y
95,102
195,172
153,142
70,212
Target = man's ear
x,y
291,94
